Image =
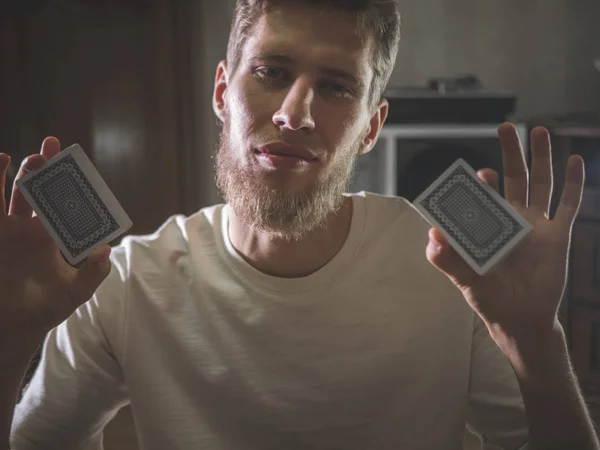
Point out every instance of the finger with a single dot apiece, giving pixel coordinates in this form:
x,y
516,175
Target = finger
x,y
91,274
50,147
489,176
540,193
31,231
21,238
447,260
35,230
18,204
514,166
571,195
4,163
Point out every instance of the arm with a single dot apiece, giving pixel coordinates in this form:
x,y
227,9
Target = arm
x,y
556,411
78,386
530,394
495,406
15,355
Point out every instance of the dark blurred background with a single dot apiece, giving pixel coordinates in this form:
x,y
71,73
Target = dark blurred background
x,y
131,81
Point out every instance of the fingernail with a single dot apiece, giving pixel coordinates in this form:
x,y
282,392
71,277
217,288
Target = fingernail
x,y
433,242
27,164
435,245
431,235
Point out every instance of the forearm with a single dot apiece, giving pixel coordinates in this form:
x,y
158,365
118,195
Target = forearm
x,y
15,360
556,412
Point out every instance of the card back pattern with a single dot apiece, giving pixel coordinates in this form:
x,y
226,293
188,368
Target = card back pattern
x,y
71,205
471,216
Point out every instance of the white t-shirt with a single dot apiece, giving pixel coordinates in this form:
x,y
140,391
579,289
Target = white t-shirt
x,y
376,350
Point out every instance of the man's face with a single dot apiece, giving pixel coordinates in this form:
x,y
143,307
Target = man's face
x,y
295,114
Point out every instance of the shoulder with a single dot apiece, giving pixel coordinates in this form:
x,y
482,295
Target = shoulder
x,y
143,262
171,241
153,265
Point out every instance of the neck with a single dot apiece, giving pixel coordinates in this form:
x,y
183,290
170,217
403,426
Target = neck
x,y
279,257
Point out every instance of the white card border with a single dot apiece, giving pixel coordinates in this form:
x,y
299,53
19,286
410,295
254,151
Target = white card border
x,y
103,191
500,255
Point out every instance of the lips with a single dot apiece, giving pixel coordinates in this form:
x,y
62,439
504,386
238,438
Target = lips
x,y
283,149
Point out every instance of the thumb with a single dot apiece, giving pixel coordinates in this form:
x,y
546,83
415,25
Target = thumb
x,y
442,256
91,274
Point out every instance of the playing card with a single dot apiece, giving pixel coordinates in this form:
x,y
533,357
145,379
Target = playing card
x,y
477,222
74,204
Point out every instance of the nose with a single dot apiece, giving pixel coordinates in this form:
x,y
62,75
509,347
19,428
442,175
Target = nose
x,y
295,112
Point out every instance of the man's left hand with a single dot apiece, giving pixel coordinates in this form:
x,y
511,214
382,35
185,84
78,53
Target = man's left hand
x,y
519,298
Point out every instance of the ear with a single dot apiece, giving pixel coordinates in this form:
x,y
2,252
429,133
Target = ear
x,y
375,124
221,81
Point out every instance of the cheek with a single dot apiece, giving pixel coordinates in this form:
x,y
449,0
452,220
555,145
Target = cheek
x,y
239,113
349,133
249,107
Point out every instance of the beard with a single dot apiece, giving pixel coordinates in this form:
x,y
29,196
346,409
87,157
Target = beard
x,y
288,215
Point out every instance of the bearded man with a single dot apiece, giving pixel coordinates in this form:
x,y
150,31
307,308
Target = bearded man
x,y
296,315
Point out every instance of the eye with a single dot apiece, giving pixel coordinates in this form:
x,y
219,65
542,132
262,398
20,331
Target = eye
x,y
339,90
270,74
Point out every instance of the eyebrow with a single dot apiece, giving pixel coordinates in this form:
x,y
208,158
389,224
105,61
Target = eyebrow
x,y
283,58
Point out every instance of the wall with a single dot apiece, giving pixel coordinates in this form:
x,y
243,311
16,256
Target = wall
x,y
105,76
540,49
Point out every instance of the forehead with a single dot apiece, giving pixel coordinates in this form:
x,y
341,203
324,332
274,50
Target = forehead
x,y
309,35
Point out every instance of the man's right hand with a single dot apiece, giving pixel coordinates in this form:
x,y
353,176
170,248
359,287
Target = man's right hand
x,y
38,288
